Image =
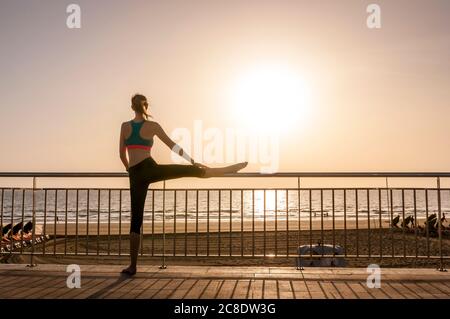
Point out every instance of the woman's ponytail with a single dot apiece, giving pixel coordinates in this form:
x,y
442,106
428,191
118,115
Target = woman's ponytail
x,y
136,105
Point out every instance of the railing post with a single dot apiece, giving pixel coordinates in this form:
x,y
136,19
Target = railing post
x,y
299,266
163,266
33,232
390,214
441,261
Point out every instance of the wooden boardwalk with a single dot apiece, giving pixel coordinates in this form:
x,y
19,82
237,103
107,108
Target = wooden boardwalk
x,y
219,282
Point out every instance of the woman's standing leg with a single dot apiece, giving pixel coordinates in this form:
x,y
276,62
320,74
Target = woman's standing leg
x,y
138,193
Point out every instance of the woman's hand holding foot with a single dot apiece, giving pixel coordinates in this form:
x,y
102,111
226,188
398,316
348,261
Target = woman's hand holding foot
x,y
201,165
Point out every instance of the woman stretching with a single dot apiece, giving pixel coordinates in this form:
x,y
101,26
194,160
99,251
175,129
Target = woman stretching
x,y
136,136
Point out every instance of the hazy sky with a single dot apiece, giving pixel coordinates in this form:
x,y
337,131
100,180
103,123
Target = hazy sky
x,y
379,98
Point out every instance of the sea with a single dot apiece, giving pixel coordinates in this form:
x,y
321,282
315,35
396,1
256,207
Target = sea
x,y
112,205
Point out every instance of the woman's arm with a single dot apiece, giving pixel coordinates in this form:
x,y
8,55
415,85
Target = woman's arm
x,y
122,149
171,144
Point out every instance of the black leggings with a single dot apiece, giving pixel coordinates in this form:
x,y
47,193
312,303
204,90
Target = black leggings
x,y
146,172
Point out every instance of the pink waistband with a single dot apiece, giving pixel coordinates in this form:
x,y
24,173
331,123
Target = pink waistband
x,y
145,147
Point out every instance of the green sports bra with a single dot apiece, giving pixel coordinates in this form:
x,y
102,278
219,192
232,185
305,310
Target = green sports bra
x,y
135,140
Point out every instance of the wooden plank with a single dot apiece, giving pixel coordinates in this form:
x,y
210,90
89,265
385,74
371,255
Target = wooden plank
x,y
227,288
130,288
360,290
16,291
404,291
390,291
168,289
285,289
196,291
270,289
315,290
125,286
241,290
7,278
441,287
96,286
182,289
255,290
344,290
53,288
436,293
117,288
21,281
212,289
85,285
330,291
149,288
133,294
13,281
423,294
33,285
301,290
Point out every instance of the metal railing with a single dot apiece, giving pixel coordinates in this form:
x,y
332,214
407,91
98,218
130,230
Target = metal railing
x,y
373,223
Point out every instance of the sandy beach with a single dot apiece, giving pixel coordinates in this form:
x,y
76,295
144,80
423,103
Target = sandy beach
x,y
169,226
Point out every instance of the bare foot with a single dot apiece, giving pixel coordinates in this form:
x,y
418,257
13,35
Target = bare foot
x,y
220,171
237,167
129,271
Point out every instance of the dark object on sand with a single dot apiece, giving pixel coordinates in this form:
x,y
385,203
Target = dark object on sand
x,y
6,229
28,227
320,249
395,221
431,224
408,220
16,228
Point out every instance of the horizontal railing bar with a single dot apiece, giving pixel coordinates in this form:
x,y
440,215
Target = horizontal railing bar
x,y
232,189
267,256
250,174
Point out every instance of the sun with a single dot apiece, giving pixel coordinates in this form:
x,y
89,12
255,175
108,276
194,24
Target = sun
x,y
270,98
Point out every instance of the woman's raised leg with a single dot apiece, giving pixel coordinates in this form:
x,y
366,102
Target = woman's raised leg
x,y
171,171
